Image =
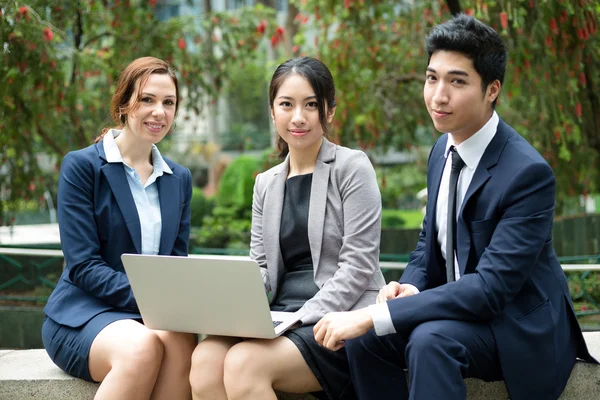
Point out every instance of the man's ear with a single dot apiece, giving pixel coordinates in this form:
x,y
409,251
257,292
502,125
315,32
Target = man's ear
x,y
493,91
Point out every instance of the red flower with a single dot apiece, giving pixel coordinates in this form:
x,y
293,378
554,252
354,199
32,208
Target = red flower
x,y
578,110
280,31
262,26
582,79
23,10
152,3
295,48
274,40
557,134
548,40
553,26
346,4
48,34
181,43
469,11
504,19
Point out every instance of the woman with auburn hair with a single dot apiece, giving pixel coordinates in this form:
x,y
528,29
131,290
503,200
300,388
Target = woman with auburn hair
x,y
316,225
118,196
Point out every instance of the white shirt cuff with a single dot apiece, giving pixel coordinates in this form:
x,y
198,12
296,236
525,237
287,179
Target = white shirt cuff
x,y
413,287
382,320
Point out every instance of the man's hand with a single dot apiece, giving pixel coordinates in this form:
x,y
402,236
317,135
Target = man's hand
x,y
393,290
334,328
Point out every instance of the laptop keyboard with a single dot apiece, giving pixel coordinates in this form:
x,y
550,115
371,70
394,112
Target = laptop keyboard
x,y
277,323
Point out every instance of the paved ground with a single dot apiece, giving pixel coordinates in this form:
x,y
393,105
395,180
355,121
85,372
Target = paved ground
x,y
29,234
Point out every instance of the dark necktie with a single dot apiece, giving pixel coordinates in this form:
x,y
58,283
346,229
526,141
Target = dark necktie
x,y
457,165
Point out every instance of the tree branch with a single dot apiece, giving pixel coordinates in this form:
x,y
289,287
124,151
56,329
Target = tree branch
x,y
95,38
48,140
454,6
43,134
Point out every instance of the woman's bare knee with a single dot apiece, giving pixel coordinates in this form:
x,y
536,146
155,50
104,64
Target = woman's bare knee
x,y
206,375
178,347
127,346
242,371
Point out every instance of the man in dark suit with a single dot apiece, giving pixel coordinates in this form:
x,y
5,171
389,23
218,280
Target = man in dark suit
x,y
483,295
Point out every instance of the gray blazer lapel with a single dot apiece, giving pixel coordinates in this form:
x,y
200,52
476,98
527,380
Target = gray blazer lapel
x,y
318,200
273,206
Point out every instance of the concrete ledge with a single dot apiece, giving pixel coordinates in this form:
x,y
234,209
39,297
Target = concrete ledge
x,y
30,374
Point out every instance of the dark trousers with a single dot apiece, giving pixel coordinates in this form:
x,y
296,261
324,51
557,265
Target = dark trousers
x,y
437,354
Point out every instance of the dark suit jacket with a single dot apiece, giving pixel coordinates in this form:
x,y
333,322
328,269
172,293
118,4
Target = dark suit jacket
x,y
510,275
98,222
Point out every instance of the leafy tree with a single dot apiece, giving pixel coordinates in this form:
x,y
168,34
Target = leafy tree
x,y
376,53
60,61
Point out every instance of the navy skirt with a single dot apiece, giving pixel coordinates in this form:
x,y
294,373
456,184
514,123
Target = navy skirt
x,y
69,348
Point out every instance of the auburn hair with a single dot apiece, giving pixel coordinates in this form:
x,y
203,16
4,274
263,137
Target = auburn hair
x,y
139,70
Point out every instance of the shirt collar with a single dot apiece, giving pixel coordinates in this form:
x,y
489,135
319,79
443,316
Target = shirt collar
x,y
472,149
113,155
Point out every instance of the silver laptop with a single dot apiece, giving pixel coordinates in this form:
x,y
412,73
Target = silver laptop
x,y
215,295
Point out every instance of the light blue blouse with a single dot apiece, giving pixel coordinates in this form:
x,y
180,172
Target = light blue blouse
x,y
145,196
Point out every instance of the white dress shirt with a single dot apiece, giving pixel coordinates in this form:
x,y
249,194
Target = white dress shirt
x,y
471,151
145,196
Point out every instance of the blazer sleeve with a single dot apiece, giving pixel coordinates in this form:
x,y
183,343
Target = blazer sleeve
x,y
359,254
79,236
181,245
257,249
527,210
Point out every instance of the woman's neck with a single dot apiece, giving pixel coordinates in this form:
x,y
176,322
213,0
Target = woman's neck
x,y
303,161
133,152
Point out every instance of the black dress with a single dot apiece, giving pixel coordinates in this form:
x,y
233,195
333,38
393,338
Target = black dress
x,y
297,286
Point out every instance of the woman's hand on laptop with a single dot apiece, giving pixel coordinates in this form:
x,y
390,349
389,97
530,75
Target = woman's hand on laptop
x,y
336,327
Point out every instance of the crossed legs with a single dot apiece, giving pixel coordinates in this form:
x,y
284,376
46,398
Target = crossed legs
x,y
438,355
229,368
134,362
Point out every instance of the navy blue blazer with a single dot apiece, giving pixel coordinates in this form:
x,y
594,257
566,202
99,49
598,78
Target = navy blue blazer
x,y
98,222
510,275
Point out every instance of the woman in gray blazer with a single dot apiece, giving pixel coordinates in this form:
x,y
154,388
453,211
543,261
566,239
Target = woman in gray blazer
x,y
316,225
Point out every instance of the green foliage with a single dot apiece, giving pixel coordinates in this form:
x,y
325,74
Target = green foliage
x,y
237,183
245,136
400,184
405,219
229,224
391,219
226,227
201,206
585,288
375,51
248,107
60,61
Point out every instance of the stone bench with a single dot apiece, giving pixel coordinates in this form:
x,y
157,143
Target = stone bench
x,y
30,374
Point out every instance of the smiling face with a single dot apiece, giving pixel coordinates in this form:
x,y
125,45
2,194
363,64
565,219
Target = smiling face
x,y
296,115
454,97
152,114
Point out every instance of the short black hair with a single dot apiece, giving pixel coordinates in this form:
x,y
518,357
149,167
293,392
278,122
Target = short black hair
x,y
320,79
479,42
